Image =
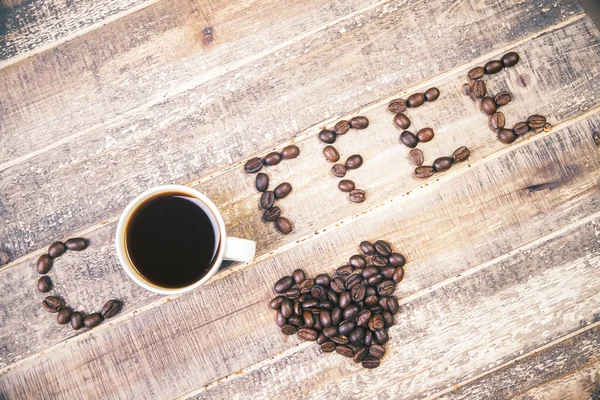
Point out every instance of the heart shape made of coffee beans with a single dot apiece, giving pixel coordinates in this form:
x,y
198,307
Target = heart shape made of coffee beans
x,y
349,313
54,304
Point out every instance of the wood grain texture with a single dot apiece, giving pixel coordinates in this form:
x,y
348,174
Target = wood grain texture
x,y
166,146
168,343
567,370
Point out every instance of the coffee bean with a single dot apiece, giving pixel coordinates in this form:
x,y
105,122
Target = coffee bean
x,y
344,270
386,288
267,199
282,190
393,305
386,273
253,165
416,157
57,249
357,336
388,318
307,334
357,196
382,336
271,214
262,182
341,127
488,105
363,318
442,164
371,300
346,185
376,322
370,362
461,154
321,339
44,284
398,275
76,321
397,106
328,347
415,100
111,308
536,121
327,136
330,331
479,89
331,153
283,284
424,171
309,303
375,309
318,327
383,248
298,276
367,248
325,318
358,292
336,315
272,158
370,271
344,350
379,261
92,320
358,261
332,295
322,280
52,304
359,122
296,320
506,136
4,257
345,299
510,59
340,340
396,260
498,120
280,319
377,351
401,121
286,308
283,225
521,128
275,303
290,152
432,94
476,73
293,293
44,263
354,161
64,316
353,280
425,135
337,284
288,330
351,312
76,244
493,67
502,98
360,354
338,170
375,280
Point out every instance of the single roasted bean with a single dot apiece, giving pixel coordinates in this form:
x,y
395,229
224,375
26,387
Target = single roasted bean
x,y
57,249
318,327
339,339
382,336
502,98
52,304
44,263
383,248
333,296
353,280
386,288
283,225
337,284
306,285
388,318
111,308
461,154
375,280
271,214
376,322
298,307
396,260
521,128
371,300
510,59
327,136
338,170
345,299
368,337
344,270
409,139
76,244
442,164
367,248
358,261
498,120
307,334
267,199
272,158
507,136
322,280
416,157
76,321
363,318
280,319
415,100
288,330
536,121
354,161
387,272
262,182
64,316
401,121
282,190
44,284
359,122
488,105
397,105
336,315
358,292
377,351
476,73
92,320
346,185
424,171
351,312
293,293
252,166
331,153
357,196
493,67
432,94
344,350
479,89
360,354
425,135
380,261
376,309
370,362
309,303
328,347
321,339
370,271
296,320
398,275
357,336
341,127
330,331
286,308
393,305
290,152
283,284
298,276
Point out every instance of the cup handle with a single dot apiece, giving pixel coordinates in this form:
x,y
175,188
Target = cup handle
x,y
239,249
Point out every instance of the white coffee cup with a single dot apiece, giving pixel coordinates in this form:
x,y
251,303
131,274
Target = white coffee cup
x,y
227,248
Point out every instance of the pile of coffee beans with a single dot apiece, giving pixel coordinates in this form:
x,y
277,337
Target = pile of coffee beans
x,y
54,304
355,161
490,104
272,213
399,106
349,313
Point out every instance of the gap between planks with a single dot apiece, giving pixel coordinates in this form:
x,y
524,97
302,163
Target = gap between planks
x,y
236,65
424,292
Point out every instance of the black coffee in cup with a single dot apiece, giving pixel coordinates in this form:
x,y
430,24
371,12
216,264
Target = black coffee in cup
x,y
170,240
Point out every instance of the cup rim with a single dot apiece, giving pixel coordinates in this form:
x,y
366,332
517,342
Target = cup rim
x,y
120,238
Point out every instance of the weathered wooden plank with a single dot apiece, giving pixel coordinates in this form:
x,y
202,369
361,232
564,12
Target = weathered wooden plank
x,y
139,156
566,370
487,202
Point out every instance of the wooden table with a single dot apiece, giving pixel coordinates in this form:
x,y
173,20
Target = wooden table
x,y
100,100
